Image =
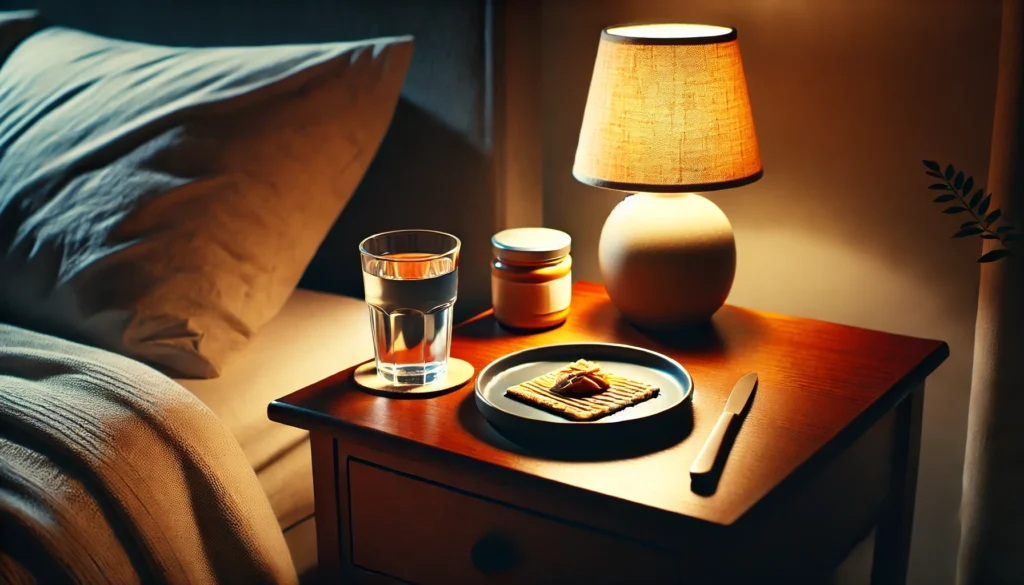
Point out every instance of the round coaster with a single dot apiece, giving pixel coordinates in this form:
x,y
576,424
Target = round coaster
x,y
459,372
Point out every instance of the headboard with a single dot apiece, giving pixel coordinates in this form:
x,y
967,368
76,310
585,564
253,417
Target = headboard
x,y
442,164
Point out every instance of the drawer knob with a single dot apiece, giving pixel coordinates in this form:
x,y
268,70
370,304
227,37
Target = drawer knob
x,y
493,554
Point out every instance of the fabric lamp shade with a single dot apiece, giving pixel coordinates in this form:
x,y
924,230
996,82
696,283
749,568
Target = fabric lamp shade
x,y
668,112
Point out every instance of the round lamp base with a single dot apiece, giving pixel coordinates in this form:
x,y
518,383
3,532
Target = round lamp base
x,y
668,260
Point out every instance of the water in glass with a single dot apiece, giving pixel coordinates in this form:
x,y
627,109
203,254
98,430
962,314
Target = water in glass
x,y
410,296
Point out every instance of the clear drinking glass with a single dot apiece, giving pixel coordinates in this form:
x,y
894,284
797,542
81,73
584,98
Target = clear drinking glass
x,y
411,280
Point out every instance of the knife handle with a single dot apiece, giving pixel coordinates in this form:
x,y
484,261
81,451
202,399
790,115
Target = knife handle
x,y
705,460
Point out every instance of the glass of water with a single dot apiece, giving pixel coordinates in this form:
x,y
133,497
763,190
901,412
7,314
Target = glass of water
x,y
411,279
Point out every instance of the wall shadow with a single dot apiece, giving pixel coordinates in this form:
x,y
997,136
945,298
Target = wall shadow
x,y
425,175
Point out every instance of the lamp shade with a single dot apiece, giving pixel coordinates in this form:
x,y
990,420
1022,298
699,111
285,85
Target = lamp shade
x,y
668,111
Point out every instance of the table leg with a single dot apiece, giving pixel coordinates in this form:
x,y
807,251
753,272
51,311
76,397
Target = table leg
x,y
892,537
328,534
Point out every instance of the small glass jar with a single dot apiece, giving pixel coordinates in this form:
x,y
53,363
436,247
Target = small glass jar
x,y
531,277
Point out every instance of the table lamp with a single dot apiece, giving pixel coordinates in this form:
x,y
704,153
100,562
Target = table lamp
x,y
667,115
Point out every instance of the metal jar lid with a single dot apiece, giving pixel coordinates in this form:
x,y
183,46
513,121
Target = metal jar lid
x,y
530,245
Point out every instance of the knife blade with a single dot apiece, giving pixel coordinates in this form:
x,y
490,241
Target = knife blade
x,y
738,398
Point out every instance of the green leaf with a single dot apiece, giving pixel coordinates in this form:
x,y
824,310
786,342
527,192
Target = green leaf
x,y
944,198
949,172
968,224
994,255
996,214
933,174
959,180
932,165
1005,228
984,204
954,209
971,231
968,185
989,237
939,187
977,197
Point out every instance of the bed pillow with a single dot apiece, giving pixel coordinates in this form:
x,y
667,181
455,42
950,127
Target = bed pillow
x,y
15,26
163,202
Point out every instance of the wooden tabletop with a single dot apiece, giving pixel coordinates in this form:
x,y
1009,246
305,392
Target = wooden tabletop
x,y
819,383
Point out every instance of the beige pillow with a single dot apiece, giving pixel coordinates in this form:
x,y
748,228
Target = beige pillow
x,y
163,202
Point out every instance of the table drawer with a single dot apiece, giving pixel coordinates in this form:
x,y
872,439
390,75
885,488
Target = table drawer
x,y
425,533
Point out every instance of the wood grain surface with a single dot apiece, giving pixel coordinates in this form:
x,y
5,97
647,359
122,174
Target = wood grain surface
x,y
821,386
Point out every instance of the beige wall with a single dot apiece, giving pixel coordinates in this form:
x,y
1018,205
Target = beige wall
x,y
848,96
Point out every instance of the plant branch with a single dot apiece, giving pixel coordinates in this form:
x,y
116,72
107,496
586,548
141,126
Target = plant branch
x,y
979,208
986,228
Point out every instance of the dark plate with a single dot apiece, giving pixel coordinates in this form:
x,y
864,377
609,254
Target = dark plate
x,y
510,416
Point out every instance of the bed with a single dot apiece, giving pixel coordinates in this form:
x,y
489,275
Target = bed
x,y
314,336
463,120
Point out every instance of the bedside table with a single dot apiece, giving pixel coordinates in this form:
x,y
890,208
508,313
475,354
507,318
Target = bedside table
x,y
425,491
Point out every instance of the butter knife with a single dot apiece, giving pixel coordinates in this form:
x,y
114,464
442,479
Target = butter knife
x,y
738,398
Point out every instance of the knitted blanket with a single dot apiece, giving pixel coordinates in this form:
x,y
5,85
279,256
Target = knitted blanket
x,y
110,472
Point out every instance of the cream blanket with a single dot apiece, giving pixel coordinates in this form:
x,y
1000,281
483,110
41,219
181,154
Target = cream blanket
x,y
111,472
